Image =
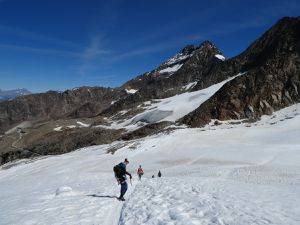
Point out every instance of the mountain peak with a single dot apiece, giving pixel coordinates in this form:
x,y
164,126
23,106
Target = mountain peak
x,y
208,45
287,19
281,39
207,49
187,50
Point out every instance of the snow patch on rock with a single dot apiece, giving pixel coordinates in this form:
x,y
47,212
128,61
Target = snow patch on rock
x,y
82,124
131,91
171,69
58,128
189,86
221,57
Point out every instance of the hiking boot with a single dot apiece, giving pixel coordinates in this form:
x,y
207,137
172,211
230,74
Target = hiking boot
x,y
121,198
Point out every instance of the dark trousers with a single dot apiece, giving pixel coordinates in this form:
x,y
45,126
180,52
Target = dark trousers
x,y
124,187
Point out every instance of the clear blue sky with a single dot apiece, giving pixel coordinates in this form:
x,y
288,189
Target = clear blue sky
x,y
61,44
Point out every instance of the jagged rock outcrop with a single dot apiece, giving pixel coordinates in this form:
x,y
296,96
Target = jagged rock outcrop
x,y
272,80
80,102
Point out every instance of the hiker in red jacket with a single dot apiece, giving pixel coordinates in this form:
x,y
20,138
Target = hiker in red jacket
x,y
140,172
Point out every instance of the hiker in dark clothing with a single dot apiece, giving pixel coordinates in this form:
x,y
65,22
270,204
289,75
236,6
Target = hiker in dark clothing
x,y
120,174
159,174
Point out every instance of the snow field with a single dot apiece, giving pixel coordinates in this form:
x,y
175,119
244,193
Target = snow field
x,y
204,201
227,174
52,192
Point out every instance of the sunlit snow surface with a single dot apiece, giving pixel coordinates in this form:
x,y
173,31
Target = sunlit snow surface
x,y
131,91
228,174
221,57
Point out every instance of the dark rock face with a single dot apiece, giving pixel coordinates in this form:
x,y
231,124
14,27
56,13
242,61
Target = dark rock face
x,y
82,102
69,140
272,80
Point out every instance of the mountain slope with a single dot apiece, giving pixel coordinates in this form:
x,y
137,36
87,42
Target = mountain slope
x,y
76,103
272,80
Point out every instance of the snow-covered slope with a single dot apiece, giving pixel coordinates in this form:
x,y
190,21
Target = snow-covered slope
x,y
171,109
234,173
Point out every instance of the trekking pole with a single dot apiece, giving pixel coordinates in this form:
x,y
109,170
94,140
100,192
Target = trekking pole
x,y
130,182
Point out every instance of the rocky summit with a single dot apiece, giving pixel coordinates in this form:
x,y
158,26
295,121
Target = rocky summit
x,y
262,79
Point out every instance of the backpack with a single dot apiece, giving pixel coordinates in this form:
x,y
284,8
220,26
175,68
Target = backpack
x,y
117,171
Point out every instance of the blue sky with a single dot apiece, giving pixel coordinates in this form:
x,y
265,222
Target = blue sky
x,y
61,44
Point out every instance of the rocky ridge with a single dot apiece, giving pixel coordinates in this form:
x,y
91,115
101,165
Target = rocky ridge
x,y
76,103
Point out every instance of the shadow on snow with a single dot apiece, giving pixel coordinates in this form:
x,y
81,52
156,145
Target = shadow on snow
x,y
103,196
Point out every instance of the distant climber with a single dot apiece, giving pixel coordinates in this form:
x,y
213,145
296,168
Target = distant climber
x,y
140,172
120,174
159,174
153,176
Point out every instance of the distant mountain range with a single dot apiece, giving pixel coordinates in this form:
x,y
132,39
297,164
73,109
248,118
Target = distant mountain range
x,y
262,79
11,94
